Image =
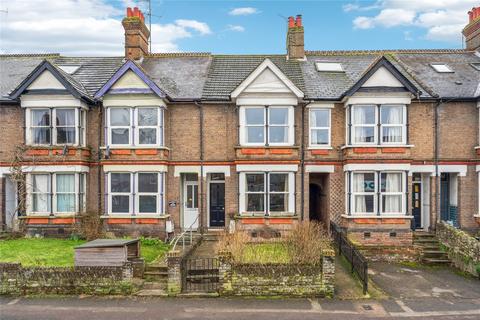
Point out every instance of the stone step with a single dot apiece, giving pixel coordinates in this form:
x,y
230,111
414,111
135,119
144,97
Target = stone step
x,y
154,285
426,242
435,254
156,268
156,273
423,235
435,261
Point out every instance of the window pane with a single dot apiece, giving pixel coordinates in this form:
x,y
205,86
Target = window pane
x,y
148,182
254,116
255,202
255,182
191,177
278,202
364,115
120,182
319,118
41,195
120,204
40,202
391,182
147,136
65,202
278,134
278,115
41,117
392,134
41,183
190,196
319,136
364,134
255,134
147,116
147,204
120,136
364,203
392,203
65,117
364,182
195,196
41,135
278,182
120,117
391,114
65,182
65,135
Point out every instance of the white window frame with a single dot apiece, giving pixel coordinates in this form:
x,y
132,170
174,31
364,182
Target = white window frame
x,y
402,193
269,192
158,128
112,194
363,193
264,192
244,126
111,127
363,125
52,192
80,128
159,194
403,125
311,128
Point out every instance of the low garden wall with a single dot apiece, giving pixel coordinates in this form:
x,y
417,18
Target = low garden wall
x,y
18,280
462,249
289,279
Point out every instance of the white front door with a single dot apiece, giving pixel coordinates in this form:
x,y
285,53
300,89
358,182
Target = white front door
x,y
190,204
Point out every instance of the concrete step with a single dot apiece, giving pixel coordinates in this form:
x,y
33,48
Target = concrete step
x,y
154,285
429,242
435,254
156,268
152,293
434,261
423,235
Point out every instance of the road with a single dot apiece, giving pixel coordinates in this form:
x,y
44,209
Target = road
x,y
78,308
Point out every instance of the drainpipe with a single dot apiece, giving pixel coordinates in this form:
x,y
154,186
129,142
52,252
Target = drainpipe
x,y
437,182
302,165
99,159
200,107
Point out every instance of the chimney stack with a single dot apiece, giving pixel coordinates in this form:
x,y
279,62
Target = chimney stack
x,y
136,34
295,39
472,30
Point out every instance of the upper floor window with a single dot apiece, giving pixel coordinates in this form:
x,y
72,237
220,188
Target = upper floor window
x,y
319,127
56,192
263,126
378,124
56,126
139,126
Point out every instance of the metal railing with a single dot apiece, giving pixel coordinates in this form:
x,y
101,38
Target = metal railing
x,y
185,233
357,261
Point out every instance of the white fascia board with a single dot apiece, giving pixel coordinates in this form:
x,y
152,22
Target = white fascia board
x,y
320,168
135,168
422,169
321,105
267,168
132,100
59,100
377,167
453,168
267,63
267,99
216,169
384,98
185,169
56,168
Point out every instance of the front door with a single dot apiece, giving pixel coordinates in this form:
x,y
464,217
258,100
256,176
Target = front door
x,y
217,204
417,205
190,204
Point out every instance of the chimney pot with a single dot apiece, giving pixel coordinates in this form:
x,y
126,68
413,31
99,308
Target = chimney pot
x,y
298,21
472,31
291,22
129,12
136,34
135,12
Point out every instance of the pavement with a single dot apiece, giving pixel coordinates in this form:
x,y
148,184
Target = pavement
x,y
410,292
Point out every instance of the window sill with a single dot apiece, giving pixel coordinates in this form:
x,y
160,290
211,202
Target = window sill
x,y
366,216
47,215
135,147
267,147
276,216
140,216
377,146
320,148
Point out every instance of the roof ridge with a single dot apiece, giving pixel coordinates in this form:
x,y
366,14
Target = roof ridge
x,y
383,51
30,55
178,54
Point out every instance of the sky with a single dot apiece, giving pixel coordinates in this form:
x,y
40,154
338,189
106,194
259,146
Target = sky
x,y
93,27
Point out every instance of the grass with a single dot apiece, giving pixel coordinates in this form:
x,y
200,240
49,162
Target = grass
x,y
266,253
59,252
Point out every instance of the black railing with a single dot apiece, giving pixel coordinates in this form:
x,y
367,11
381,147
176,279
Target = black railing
x,y
357,261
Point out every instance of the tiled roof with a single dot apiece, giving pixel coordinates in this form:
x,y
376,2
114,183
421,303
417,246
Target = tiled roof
x,y
228,71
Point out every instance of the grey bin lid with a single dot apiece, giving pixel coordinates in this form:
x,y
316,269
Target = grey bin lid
x,y
101,243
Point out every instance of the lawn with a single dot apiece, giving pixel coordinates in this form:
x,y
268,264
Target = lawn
x,y
59,252
266,253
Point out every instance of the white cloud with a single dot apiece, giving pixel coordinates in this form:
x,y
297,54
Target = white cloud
x,y
235,28
442,19
81,27
243,11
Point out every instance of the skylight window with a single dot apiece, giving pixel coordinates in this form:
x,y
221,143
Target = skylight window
x,y
476,65
441,68
69,69
323,66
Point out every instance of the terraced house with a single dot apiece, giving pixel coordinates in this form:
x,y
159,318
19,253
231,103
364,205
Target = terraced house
x,y
378,142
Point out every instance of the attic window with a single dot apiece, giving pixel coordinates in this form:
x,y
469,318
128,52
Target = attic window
x,y
323,66
476,65
441,68
69,69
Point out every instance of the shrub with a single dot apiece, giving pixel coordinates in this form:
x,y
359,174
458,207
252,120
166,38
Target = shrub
x,y
307,241
234,243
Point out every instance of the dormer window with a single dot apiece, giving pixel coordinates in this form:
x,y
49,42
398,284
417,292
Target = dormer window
x,y
441,68
325,66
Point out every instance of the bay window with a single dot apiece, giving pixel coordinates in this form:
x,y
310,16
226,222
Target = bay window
x,y
319,127
377,124
377,193
135,126
267,193
263,126
136,193
56,192
56,126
